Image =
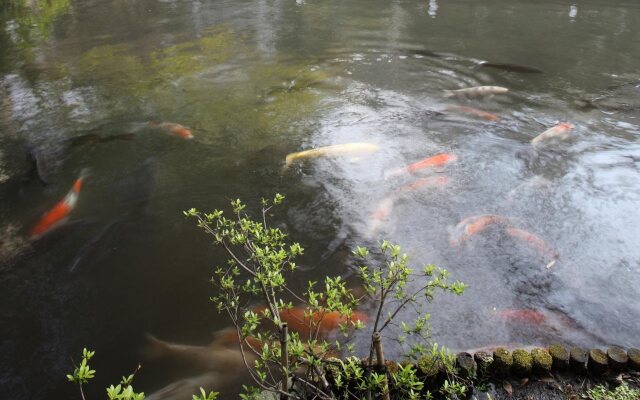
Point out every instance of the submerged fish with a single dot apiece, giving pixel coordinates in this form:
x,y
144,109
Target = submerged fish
x,y
174,129
428,182
299,320
473,225
380,214
438,160
559,131
188,387
384,208
94,138
205,358
223,366
512,67
476,91
526,316
59,213
473,111
535,242
335,150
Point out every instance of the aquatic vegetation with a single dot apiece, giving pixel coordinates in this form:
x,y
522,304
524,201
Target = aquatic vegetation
x,y
127,70
193,56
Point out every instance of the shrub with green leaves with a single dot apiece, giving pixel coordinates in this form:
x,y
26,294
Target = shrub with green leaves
x,y
622,392
387,282
256,272
260,262
83,373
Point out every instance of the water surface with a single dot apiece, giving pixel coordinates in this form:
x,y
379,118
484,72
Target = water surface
x,y
80,80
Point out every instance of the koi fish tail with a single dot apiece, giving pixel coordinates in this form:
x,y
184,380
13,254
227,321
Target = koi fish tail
x,y
84,173
154,348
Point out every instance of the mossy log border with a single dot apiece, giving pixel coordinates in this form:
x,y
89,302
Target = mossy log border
x,y
521,363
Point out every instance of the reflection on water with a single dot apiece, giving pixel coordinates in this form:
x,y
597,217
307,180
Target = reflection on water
x,y
89,85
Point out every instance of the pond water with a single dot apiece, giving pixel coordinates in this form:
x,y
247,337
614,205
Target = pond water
x,y
256,80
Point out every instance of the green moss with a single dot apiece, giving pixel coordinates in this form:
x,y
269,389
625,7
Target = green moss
x,y
502,362
542,361
560,356
484,361
522,363
617,358
598,355
634,359
428,366
597,363
578,354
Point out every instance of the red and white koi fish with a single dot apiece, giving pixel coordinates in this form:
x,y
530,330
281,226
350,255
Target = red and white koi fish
x,y
535,242
473,225
559,132
473,111
57,215
476,91
438,160
380,214
174,129
384,208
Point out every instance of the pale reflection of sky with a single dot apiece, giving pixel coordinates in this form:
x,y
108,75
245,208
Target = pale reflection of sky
x,y
433,8
573,11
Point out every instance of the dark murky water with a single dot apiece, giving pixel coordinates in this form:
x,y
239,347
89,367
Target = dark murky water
x,y
79,81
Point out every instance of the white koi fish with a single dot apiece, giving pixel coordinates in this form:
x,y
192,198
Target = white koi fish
x,y
476,91
559,132
349,149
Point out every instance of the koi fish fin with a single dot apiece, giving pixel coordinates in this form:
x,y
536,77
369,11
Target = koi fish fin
x,y
551,264
84,172
154,348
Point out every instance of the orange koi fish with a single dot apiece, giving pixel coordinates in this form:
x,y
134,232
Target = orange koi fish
x,y
298,320
525,316
473,225
535,242
57,215
560,132
428,182
326,323
174,129
474,111
438,160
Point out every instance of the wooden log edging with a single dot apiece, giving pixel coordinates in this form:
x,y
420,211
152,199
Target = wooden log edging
x,y
518,364
503,364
